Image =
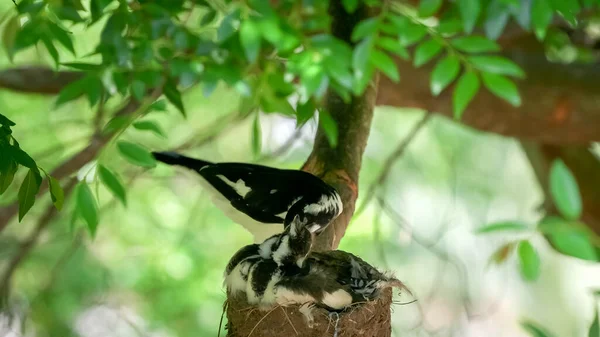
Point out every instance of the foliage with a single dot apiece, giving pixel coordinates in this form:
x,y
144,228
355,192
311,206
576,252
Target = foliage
x,y
266,53
151,52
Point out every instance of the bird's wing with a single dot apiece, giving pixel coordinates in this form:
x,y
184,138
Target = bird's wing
x,y
263,193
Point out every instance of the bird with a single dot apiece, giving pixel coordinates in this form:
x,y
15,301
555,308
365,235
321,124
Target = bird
x,y
263,199
334,280
289,249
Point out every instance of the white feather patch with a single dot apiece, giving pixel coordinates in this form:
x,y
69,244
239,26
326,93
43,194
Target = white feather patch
x,y
285,296
338,299
283,250
326,204
235,280
239,186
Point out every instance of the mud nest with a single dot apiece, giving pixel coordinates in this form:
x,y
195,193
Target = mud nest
x,y
370,319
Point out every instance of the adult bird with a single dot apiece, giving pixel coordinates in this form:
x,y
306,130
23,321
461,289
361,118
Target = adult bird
x,y
264,200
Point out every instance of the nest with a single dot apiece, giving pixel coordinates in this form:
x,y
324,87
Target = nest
x,y
368,319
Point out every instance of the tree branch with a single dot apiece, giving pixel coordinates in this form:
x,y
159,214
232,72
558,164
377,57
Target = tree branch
x,y
37,79
340,166
559,101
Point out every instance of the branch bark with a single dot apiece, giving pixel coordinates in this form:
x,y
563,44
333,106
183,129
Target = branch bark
x,y
559,101
37,79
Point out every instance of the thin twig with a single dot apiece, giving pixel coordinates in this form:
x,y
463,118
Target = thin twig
x,y
290,321
262,319
389,162
222,315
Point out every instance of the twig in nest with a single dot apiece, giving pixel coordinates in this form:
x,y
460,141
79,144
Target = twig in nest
x,y
262,319
336,329
289,320
405,303
222,314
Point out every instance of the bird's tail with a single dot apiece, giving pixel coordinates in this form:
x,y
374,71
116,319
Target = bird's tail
x,y
174,158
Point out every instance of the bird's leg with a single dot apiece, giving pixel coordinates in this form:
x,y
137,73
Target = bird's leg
x,y
306,310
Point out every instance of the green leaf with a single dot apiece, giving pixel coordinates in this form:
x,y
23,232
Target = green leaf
x,y
174,96
56,192
350,5
565,191
466,88
228,26
496,65
444,72
208,17
361,54
138,89
7,176
51,49
116,124
250,39
305,112
365,28
159,105
497,18
23,158
113,183
529,261
567,9
9,34
575,243
87,207
385,63
27,192
469,12
502,87
428,8
426,51
394,46
594,330
149,126
314,80
541,16
61,36
256,136
136,154
329,126
5,121
72,91
474,44
270,103
411,34
503,226
534,329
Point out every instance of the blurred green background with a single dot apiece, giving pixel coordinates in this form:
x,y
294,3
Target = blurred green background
x,y
155,267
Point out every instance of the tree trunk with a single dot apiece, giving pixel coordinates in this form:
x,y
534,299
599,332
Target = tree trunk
x,y
339,167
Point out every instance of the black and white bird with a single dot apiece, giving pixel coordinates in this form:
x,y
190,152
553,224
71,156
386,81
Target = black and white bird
x,y
334,280
262,199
